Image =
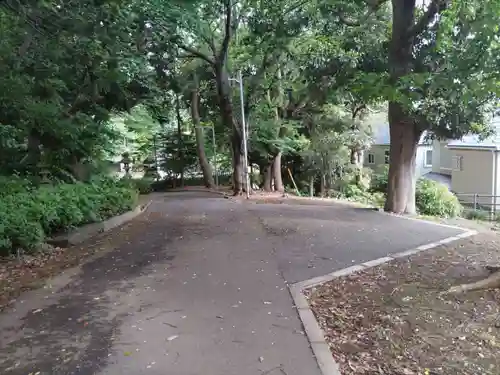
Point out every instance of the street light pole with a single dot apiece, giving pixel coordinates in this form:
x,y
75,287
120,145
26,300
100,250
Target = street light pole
x,y
244,133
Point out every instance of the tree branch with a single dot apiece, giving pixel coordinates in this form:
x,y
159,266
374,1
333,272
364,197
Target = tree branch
x,y
227,30
196,53
434,8
374,6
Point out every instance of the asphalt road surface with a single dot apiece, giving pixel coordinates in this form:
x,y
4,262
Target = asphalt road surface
x,y
197,286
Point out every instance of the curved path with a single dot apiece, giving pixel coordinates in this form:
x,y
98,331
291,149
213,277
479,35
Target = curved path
x,y
197,286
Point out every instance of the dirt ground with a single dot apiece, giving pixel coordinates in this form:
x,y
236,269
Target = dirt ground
x,y
397,319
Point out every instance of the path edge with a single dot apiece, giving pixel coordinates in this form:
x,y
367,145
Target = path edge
x,y
314,333
86,232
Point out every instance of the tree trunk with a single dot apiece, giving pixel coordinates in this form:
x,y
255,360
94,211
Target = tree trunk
x,y
227,115
278,180
356,164
200,140
180,153
404,135
402,155
322,190
34,154
311,186
268,177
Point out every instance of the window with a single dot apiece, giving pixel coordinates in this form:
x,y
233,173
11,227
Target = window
x,y
386,157
371,158
428,158
458,163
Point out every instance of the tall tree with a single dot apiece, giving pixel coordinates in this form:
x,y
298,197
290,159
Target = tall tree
x,y
425,59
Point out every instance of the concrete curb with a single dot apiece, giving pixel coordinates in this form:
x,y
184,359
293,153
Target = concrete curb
x,y
88,231
314,333
196,190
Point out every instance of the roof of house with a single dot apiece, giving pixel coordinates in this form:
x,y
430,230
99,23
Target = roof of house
x,y
474,141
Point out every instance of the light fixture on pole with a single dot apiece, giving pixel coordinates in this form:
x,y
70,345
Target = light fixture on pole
x,y
243,131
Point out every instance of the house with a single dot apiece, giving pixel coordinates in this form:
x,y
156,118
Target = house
x,y
377,156
471,166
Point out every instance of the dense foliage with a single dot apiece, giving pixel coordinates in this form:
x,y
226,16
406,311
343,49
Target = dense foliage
x,y
31,214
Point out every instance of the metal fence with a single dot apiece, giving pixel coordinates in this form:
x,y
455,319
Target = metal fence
x,y
480,206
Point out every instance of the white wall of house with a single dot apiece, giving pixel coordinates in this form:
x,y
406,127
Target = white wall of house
x,y
424,160
473,172
441,158
378,156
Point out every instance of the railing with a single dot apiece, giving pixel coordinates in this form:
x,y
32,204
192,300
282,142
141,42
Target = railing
x,y
480,206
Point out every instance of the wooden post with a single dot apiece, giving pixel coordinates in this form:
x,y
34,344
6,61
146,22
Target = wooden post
x,y
294,184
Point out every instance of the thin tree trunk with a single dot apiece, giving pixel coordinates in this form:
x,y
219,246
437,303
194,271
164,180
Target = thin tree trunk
x,y
278,179
311,186
237,163
180,153
227,114
322,190
200,139
268,177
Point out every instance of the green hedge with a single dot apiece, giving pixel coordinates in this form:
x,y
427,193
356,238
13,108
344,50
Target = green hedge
x,y
434,199
29,215
431,197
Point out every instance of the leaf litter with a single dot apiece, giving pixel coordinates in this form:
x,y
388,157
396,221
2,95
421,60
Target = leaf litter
x,y
31,271
395,319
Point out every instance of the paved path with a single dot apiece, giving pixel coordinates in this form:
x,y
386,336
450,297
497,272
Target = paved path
x,y
197,286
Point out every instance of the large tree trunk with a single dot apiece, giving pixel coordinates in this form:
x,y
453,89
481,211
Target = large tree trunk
x,y
200,140
403,151
404,135
180,153
278,180
227,114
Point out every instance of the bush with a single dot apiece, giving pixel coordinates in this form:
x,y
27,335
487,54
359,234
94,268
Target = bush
x,y
477,215
27,217
355,193
13,184
434,199
143,185
379,181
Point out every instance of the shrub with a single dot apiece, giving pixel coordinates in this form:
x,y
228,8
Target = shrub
x,y
143,185
434,199
379,181
354,192
13,184
477,215
28,216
